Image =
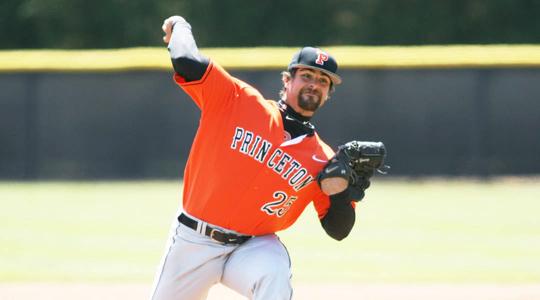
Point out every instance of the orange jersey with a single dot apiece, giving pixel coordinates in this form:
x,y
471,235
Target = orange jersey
x,y
242,174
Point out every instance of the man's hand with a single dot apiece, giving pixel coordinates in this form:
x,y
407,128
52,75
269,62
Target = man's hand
x,y
168,25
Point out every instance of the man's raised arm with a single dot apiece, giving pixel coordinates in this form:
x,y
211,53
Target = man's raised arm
x,y
185,56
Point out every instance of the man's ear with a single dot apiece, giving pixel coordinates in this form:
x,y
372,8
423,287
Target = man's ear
x,y
285,78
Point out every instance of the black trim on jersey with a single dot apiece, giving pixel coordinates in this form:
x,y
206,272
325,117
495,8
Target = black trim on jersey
x,y
292,113
339,220
294,123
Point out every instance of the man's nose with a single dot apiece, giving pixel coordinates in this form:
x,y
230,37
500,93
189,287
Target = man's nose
x,y
315,84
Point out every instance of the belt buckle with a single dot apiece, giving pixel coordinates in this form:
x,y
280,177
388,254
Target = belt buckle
x,y
226,240
212,235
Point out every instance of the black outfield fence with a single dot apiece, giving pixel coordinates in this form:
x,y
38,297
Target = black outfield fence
x,y
139,124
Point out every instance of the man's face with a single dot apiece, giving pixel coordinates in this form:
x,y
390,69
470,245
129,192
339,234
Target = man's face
x,y
308,90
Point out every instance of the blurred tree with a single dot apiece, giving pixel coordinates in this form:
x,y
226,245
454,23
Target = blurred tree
x,y
83,24
123,23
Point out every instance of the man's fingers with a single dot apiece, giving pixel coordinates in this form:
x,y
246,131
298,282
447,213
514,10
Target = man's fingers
x,y
167,37
167,26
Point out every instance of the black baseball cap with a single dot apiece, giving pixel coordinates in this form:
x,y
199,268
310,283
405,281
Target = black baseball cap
x,y
315,58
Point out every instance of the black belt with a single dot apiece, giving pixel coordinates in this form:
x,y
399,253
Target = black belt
x,y
214,233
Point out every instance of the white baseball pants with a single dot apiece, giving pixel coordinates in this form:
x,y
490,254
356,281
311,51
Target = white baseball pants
x,y
258,269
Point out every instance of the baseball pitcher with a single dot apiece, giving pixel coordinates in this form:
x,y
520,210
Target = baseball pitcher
x,y
254,166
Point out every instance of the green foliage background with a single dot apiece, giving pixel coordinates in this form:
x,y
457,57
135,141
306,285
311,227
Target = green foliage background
x,y
232,23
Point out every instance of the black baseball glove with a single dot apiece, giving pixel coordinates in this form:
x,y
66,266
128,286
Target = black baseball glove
x,y
356,162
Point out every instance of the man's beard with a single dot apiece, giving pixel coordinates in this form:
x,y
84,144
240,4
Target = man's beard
x,y
309,102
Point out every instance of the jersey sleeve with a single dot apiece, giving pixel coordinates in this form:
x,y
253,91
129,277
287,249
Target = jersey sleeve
x,y
322,204
216,88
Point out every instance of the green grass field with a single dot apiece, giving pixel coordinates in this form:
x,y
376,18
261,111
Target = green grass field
x,y
453,231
